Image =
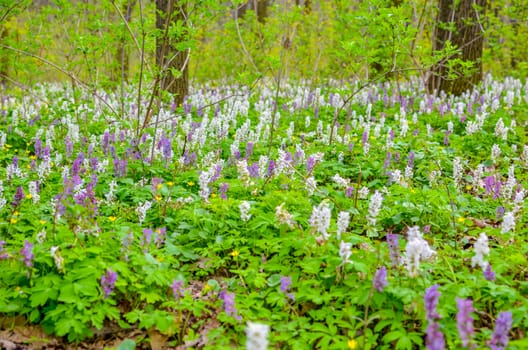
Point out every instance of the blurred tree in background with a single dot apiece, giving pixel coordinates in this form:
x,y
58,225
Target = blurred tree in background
x,y
108,42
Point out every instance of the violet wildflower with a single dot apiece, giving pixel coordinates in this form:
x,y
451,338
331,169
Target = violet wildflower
x,y
177,289
223,190
108,281
310,164
431,302
503,324
19,195
253,170
380,279
285,285
147,238
271,168
349,192
434,339
27,253
249,149
465,320
229,303
489,274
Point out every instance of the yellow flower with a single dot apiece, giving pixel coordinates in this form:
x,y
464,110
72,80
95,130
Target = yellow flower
x,y
234,253
112,218
190,183
159,186
413,190
29,196
352,344
213,195
42,222
158,198
206,288
33,157
13,220
170,183
15,213
469,187
461,219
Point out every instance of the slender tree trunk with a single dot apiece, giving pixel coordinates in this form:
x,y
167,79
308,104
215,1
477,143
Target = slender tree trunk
x,y
262,10
122,57
460,23
4,59
172,62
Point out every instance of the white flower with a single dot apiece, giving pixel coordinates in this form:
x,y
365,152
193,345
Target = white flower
x,y
457,171
33,191
244,210
320,219
257,336
343,220
495,152
481,250
142,209
59,260
416,250
284,217
311,185
345,251
508,222
374,207
341,182
363,192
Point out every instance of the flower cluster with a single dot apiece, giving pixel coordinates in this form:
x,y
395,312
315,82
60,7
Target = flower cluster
x,y
416,250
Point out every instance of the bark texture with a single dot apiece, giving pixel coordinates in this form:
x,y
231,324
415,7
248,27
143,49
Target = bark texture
x,y
459,22
168,58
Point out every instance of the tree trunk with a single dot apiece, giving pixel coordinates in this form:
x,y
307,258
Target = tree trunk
x,y
262,10
460,23
171,62
4,58
122,58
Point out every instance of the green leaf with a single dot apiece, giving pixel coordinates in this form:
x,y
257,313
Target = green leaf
x,y
127,344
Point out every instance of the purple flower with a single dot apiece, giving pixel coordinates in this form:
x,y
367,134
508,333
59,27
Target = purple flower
x,y
108,281
410,162
19,195
465,320
434,339
380,279
69,146
271,168
499,213
27,253
446,138
394,249
177,289
503,324
249,149
253,170
285,283
489,274
155,182
431,302
165,145
161,234
223,190
310,164
387,161
229,303
349,192
147,237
